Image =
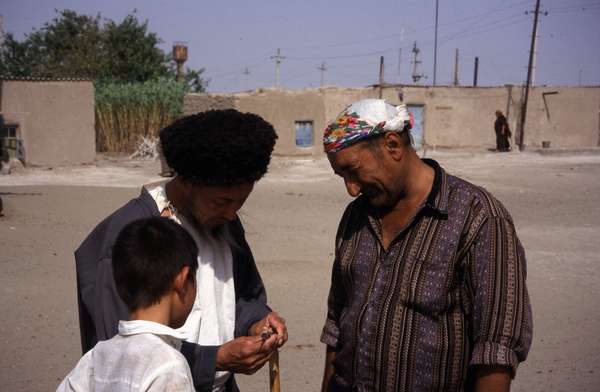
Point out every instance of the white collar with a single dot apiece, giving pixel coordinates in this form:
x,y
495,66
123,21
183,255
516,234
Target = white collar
x,y
158,191
136,327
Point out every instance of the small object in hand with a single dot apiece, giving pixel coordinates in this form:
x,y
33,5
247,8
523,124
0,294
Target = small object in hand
x,y
266,334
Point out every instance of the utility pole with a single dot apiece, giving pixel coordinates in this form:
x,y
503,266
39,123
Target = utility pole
x,y
400,55
381,71
415,75
278,59
529,73
580,73
535,44
246,73
437,4
456,67
534,60
399,63
322,68
476,72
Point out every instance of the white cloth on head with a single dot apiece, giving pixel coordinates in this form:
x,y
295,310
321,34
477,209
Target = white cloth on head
x,y
144,356
375,111
212,320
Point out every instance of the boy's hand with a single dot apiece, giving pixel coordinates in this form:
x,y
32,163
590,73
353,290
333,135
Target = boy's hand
x,y
246,354
273,323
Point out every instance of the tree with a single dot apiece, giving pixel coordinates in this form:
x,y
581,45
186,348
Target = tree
x,y
68,46
132,52
194,81
15,58
74,45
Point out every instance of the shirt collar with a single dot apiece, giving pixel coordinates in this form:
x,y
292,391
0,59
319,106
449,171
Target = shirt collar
x,y
136,327
437,200
158,192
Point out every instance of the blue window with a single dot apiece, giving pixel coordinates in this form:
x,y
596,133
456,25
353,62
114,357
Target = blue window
x,y
304,133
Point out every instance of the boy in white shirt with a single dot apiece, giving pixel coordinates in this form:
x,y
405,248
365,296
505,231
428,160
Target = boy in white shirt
x,y
154,266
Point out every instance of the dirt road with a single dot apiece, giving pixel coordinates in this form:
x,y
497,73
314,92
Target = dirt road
x,y
290,221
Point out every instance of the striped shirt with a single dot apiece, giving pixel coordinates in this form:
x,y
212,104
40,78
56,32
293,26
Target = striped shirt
x,y
448,292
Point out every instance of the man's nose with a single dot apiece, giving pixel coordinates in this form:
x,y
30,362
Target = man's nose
x,y
352,187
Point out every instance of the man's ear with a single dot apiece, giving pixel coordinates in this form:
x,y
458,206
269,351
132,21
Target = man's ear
x,y
179,285
393,144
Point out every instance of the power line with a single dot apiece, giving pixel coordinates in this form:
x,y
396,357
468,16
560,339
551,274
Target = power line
x,y
444,39
389,50
367,54
454,22
489,26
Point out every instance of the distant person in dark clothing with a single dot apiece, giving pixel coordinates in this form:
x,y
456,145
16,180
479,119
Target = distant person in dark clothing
x,y
502,132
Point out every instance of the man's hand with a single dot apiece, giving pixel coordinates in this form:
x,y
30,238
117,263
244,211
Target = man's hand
x,y
492,378
329,369
273,323
246,354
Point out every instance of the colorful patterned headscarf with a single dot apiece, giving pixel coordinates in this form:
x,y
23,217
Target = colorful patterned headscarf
x,y
364,119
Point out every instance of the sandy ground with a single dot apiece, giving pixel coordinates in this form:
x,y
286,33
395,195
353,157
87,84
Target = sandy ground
x,y
290,221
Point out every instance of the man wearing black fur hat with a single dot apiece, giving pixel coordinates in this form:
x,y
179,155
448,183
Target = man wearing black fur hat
x,y
217,156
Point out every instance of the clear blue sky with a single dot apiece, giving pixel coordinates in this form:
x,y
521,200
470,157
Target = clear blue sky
x,y
224,37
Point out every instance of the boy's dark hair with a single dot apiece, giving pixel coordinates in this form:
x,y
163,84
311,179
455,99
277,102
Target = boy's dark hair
x,y
146,258
219,147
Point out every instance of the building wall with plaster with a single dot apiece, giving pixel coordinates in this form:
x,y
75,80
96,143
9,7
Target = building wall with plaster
x,y
56,119
454,117
564,116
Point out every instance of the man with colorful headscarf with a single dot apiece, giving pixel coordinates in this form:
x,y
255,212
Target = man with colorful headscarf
x,y
428,284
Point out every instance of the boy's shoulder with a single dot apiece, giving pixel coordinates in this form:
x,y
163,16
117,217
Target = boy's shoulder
x,y
148,358
140,359
141,345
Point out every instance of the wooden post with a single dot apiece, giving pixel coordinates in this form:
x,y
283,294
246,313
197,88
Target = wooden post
x,y
274,378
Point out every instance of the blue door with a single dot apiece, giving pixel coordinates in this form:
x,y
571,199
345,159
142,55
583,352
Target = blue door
x,y
417,130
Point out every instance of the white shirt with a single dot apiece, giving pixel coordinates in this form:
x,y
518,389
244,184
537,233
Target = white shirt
x,y
144,356
212,320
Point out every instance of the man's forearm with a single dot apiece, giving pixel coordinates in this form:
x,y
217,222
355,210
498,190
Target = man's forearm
x,y
492,379
329,369
203,362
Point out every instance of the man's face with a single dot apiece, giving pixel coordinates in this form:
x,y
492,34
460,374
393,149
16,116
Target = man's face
x,y
364,172
213,206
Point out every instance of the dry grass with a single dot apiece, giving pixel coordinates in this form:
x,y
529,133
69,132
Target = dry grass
x,y
127,112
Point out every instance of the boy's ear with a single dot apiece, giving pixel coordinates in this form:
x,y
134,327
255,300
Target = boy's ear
x,y
180,280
